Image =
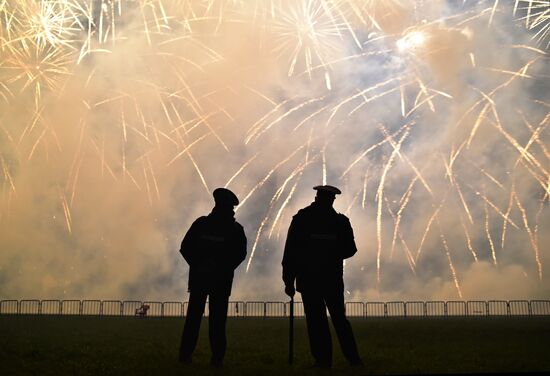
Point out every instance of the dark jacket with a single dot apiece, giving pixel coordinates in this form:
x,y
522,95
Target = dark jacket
x,y
213,247
318,241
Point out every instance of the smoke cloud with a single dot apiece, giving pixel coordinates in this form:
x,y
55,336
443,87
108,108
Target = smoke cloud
x,y
119,118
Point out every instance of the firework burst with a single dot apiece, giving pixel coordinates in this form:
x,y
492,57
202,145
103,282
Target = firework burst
x,y
400,102
536,17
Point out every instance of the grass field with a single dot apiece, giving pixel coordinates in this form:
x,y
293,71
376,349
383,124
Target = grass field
x,y
48,345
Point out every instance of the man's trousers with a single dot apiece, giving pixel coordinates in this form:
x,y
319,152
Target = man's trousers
x,y
217,318
315,306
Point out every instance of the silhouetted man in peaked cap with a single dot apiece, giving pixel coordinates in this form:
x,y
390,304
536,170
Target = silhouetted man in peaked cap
x,y
318,241
213,247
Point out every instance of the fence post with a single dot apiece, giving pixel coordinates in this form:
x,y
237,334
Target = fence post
x,y
265,310
445,311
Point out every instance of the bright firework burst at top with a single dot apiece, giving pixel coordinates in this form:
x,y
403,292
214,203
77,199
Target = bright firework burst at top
x,y
118,118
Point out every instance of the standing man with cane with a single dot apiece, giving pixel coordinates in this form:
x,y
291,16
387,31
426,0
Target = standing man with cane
x,y
318,241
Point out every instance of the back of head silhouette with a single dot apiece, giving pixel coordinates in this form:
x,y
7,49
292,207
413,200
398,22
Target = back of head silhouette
x,y
326,194
223,197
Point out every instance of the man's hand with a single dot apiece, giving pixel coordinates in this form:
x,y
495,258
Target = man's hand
x,y
290,290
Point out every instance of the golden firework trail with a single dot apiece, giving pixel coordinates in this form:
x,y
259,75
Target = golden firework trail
x,y
380,198
491,177
410,258
506,218
266,178
456,185
365,181
66,210
363,155
7,175
449,259
255,134
256,240
406,159
532,237
507,215
240,170
537,218
297,171
282,207
352,203
488,233
403,204
427,230
199,172
468,240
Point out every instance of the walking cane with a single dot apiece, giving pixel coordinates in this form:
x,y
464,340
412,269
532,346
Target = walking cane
x,y
291,332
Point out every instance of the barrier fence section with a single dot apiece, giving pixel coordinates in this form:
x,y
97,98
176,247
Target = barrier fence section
x,y
277,309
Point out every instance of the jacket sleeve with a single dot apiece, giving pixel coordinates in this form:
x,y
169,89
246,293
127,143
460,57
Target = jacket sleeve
x,y
348,240
189,243
290,256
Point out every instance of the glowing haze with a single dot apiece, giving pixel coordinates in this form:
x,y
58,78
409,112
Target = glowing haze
x,y
119,118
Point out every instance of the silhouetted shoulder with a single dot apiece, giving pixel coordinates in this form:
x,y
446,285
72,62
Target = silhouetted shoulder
x,y
343,218
196,227
237,226
302,213
300,218
343,222
200,220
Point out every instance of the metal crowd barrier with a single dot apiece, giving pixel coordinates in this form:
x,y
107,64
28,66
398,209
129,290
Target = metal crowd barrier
x,y
279,309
